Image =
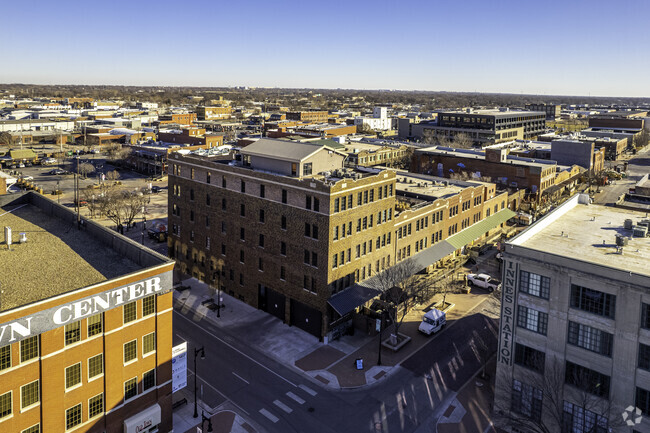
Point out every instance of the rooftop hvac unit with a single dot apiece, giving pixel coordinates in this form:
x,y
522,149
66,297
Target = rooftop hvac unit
x,y
645,223
621,240
640,231
628,224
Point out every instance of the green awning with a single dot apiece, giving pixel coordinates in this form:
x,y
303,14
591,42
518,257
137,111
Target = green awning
x,y
22,154
473,232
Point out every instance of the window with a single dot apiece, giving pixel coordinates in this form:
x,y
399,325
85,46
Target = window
x,y
149,343
586,379
191,216
336,204
262,191
526,400
149,379
314,259
149,305
644,356
207,177
593,301
5,404
260,264
283,248
29,348
130,388
577,419
283,273
534,284
130,351
33,429
283,222
306,257
532,320
72,332
306,169
241,256
590,338
317,204
96,405
95,366
73,416
130,311
262,215
5,357
314,231
223,181
284,196
308,202
645,316
223,227
95,325
191,194
261,241
243,186
73,375
529,357
223,204
242,209
642,400
29,394
242,234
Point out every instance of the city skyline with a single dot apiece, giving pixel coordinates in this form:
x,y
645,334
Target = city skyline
x,y
506,47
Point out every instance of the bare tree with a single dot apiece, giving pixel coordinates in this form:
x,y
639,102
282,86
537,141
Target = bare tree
x,y
401,288
116,152
86,168
113,175
438,138
120,206
536,403
463,141
6,139
641,140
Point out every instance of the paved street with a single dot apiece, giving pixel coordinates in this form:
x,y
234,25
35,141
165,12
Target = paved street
x,y
276,397
637,167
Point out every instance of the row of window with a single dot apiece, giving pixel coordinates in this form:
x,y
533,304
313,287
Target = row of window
x,y
363,197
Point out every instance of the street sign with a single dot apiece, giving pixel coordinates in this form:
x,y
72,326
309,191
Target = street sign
x,y
359,363
179,366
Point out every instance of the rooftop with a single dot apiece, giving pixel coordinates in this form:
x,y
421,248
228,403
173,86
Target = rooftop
x,y
56,258
586,232
496,113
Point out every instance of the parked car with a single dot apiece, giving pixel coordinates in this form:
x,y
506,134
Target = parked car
x,y
56,171
156,189
48,161
433,321
158,232
484,281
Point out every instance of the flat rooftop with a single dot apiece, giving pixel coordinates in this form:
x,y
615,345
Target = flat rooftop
x,y
57,257
433,188
586,232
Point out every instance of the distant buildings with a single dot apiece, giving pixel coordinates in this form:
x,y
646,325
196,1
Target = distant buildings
x,y
308,116
211,113
378,122
553,111
574,346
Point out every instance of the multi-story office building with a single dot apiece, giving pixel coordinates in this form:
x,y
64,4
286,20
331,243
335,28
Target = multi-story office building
x,y
85,325
499,123
209,113
287,228
308,116
553,111
574,346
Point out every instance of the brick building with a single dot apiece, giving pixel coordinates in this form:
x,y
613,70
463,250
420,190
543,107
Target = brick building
x,y
308,116
210,113
190,136
297,233
179,119
84,350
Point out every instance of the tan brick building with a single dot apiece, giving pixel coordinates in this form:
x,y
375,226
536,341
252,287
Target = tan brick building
x,y
308,116
294,229
87,350
210,113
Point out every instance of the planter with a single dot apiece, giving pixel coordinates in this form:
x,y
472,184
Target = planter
x,y
396,342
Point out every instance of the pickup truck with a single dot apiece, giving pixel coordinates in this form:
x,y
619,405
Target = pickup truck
x,y
484,281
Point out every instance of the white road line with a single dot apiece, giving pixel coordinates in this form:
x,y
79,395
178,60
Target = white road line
x,y
283,406
269,415
219,392
308,390
241,378
294,397
243,354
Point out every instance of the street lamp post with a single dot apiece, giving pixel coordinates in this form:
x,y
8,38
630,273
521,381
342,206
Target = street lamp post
x,y
196,354
381,328
204,419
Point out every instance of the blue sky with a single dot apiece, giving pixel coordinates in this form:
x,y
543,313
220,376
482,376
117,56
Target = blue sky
x,y
570,47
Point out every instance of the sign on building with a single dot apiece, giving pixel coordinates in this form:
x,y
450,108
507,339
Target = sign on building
x,y
179,366
508,299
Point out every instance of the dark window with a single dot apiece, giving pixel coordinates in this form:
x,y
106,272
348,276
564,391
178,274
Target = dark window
x,y
593,301
577,419
223,181
207,199
191,194
306,257
261,215
586,379
283,223
149,379
283,248
644,356
262,191
336,205
308,202
645,316
223,204
192,216
242,209
284,196
207,177
261,243
526,400
72,332
243,186
317,204
5,357
532,320
241,256
529,357
283,274
314,259
533,284
314,231
643,400
242,234
307,229
590,338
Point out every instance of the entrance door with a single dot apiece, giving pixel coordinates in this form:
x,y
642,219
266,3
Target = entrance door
x,y
306,318
275,304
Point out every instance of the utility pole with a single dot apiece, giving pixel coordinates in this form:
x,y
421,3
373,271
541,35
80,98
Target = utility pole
x,y
76,185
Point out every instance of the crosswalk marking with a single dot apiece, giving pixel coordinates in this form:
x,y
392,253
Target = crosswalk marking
x,y
294,397
283,406
307,390
269,415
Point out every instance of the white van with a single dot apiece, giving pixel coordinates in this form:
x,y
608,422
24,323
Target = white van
x,y
433,321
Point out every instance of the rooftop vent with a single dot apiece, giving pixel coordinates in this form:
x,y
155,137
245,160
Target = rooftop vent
x,y
640,231
621,240
628,224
